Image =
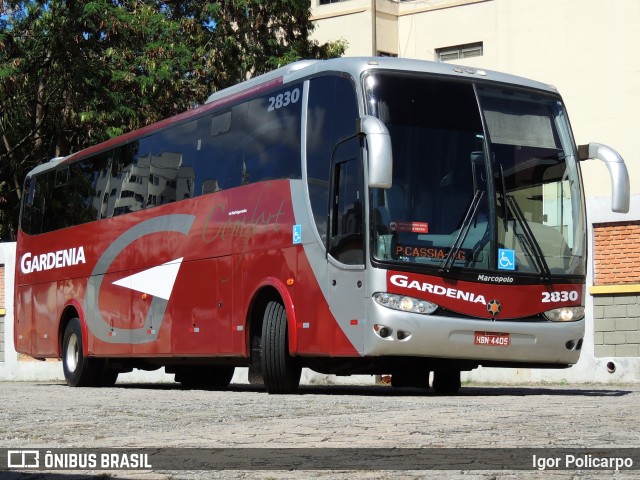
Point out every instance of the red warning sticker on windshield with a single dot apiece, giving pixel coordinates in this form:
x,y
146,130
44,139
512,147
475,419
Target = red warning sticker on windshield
x,y
413,227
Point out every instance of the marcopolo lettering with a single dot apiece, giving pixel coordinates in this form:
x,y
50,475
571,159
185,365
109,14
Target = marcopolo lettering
x,y
48,261
489,278
404,282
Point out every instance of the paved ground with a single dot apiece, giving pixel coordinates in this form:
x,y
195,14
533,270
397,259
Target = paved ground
x,y
52,416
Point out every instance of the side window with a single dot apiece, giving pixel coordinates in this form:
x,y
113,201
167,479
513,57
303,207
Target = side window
x,y
346,242
80,193
218,158
170,176
91,177
128,161
331,118
31,218
250,142
54,189
68,196
272,145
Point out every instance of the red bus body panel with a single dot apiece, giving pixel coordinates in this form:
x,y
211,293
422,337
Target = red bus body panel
x,y
218,249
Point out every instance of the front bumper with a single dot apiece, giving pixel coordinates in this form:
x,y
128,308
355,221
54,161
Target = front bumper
x,y
436,336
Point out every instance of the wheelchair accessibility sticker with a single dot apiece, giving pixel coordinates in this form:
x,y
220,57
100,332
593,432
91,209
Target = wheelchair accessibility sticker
x,y
297,234
506,259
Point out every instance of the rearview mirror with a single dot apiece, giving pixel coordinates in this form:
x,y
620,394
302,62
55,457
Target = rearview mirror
x,y
620,189
379,151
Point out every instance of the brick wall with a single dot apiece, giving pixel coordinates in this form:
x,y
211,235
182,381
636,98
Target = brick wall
x,y
616,249
616,301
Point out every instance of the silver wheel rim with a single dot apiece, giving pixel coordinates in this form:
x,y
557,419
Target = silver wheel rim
x,y
71,357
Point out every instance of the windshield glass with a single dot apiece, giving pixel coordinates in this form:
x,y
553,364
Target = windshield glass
x,y
540,219
483,178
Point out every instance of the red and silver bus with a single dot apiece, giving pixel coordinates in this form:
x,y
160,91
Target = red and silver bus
x,y
351,216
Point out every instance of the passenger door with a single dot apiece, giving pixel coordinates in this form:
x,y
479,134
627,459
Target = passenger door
x,y
345,242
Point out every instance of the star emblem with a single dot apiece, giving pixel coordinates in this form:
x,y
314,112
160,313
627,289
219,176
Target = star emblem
x,y
493,307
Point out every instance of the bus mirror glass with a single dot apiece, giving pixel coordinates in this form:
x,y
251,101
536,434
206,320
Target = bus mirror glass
x,y
620,188
379,151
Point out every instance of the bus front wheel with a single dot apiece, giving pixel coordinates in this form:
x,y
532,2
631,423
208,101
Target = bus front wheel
x,y
280,371
78,369
209,376
404,378
446,381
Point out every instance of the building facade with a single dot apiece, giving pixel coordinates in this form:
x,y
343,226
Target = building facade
x,y
586,49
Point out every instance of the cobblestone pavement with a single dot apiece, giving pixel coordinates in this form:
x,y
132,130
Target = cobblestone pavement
x,y
52,415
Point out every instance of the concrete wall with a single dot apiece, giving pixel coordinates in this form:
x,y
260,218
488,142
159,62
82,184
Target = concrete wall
x,y
617,325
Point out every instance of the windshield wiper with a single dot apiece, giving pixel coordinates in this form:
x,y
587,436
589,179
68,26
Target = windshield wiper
x,y
503,192
462,233
527,239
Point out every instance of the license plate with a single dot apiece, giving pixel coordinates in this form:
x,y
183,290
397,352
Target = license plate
x,y
492,339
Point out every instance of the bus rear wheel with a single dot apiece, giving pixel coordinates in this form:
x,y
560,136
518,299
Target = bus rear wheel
x,y
280,371
78,369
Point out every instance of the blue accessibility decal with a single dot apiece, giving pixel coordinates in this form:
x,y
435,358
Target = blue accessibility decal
x,y
297,234
506,259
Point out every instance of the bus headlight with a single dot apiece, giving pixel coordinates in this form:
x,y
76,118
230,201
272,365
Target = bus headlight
x,y
404,303
565,314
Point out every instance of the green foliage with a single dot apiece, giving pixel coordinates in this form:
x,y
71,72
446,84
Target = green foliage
x,y
75,73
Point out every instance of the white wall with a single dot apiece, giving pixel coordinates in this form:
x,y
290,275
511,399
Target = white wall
x,y
586,48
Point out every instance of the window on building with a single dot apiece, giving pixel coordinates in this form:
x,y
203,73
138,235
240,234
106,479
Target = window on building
x,y
468,50
326,2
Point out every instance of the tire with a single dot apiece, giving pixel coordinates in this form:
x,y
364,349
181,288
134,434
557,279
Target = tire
x,y
446,382
205,377
78,369
280,371
104,376
254,374
419,379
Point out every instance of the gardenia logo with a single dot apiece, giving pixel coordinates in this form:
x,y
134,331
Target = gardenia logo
x,y
47,261
403,281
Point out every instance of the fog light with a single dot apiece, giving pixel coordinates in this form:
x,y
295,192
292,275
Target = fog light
x,y
403,335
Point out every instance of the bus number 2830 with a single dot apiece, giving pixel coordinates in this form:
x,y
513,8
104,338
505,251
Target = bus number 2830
x,y
563,296
283,99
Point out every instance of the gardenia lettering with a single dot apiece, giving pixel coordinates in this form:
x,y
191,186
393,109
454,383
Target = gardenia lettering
x,y
47,261
403,281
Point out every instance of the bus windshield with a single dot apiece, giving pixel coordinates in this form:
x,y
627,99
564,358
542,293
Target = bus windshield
x,y
484,178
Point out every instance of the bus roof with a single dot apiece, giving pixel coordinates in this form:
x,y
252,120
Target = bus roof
x,y
355,66
358,65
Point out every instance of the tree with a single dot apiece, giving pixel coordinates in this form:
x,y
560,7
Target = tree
x,y
73,74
